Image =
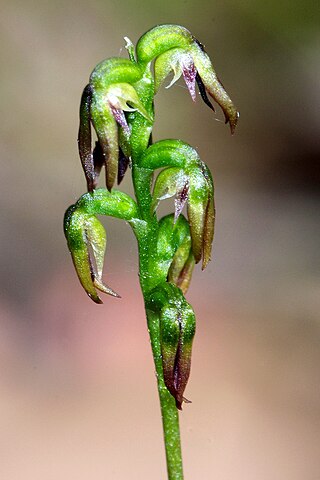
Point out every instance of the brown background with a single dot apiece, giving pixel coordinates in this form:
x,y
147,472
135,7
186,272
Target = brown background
x,y
77,388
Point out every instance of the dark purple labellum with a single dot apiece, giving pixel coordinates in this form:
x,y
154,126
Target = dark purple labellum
x,y
122,165
98,162
203,93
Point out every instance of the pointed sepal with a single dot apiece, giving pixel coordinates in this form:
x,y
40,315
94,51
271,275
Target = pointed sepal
x,y
213,85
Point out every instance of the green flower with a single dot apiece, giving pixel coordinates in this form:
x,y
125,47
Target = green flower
x,y
104,102
87,241
175,50
192,186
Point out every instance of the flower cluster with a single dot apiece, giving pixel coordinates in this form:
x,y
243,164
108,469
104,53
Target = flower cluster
x,y
118,104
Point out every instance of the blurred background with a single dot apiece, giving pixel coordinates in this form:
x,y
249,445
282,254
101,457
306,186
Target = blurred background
x,y
77,390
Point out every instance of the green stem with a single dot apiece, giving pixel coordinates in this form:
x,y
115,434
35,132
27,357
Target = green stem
x,y
150,277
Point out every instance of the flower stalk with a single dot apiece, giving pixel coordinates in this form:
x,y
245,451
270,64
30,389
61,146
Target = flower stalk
x,y
118,105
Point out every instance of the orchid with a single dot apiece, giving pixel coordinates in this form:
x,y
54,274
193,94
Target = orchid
x,y
118,105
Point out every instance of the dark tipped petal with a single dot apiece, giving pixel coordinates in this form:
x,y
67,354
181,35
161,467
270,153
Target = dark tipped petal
x,y
203,92
84,137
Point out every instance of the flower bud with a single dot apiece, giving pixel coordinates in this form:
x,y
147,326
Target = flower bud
x,y
177,329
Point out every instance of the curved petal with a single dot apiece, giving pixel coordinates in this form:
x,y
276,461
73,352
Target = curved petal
x,y
213,85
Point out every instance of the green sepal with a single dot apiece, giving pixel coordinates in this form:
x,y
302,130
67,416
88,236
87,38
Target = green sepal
x,y
115,70
169,153
159,39
114,204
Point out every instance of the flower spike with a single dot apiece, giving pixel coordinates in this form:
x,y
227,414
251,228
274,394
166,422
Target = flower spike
x,y
118,104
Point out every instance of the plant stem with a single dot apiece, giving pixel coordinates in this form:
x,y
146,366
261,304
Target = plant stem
x,y
170,418
150,273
